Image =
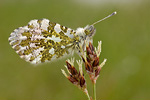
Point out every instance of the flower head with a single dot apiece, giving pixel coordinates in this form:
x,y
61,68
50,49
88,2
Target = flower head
x,y
91,61
75,77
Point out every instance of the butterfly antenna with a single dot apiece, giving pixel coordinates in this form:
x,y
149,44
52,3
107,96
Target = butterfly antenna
x,y
114,13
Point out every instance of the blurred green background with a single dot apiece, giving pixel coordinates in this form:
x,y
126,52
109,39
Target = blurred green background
x,y
125,43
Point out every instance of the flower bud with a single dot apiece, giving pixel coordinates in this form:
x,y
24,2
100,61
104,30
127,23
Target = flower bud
x,y
82,82
71,68
95,62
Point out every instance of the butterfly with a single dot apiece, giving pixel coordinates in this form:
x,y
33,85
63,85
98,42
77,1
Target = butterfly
x,y
42,40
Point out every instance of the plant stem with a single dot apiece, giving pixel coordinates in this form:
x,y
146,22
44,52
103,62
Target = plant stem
x,y
87,94
94,91
88,97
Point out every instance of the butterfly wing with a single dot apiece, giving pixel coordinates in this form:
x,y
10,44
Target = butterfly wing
x,y
42,40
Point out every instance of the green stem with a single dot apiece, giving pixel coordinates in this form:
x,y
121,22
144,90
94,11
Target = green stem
x,y
94,91
88,97
87,94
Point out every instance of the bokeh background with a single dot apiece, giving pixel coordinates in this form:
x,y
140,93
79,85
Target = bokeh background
x,y
125,43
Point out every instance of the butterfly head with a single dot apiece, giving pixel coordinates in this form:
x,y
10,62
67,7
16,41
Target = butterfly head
x,y
89,30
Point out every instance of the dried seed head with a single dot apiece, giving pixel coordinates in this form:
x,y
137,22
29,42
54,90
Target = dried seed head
x,y
75,77
90,58
91,61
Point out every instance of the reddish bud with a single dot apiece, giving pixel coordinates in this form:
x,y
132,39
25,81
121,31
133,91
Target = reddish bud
x,y
68,65
82,81
79,75
88,51
88,67
94,55
97,71
88,59
71,69
91,47
95,62
73,80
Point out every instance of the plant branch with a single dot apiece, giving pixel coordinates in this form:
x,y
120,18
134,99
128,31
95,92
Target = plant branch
x,y
94,91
